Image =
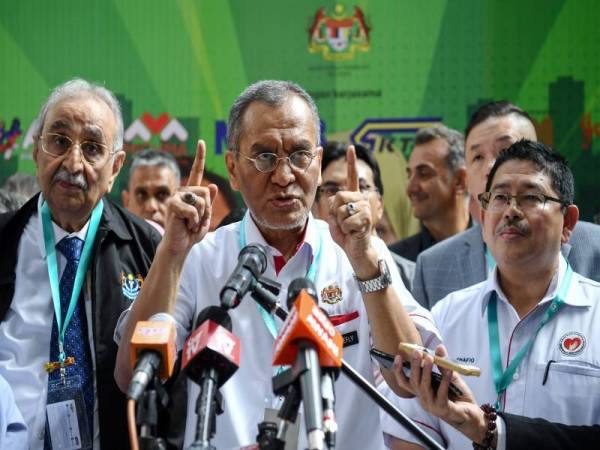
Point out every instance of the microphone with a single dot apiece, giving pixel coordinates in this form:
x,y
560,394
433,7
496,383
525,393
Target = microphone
x,y
211,355
152,349
252,262
309,341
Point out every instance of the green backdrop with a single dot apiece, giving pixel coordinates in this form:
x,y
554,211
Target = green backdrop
x,y
378,69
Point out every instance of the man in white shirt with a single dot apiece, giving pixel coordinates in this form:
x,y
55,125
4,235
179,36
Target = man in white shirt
x,y
274,161
532,325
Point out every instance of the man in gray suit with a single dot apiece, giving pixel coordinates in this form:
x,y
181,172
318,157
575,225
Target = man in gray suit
x,y
462,260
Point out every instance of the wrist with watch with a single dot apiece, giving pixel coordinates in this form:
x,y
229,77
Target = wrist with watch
x,y
378,283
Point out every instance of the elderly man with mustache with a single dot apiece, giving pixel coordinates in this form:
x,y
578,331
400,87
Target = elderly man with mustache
x,y
531,325
71,263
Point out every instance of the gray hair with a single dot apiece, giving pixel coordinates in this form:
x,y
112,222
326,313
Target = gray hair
x,y
155,158
11,201
455,140
79,87
273,93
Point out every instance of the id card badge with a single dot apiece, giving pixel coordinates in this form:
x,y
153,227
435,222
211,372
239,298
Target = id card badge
x,y
293,431
66,418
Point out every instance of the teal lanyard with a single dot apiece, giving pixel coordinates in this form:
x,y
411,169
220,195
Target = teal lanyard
x,y
503,379
79,275
491,262
311,274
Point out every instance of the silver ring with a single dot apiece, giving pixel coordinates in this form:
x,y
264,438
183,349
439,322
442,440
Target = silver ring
x,y
351,208
189,198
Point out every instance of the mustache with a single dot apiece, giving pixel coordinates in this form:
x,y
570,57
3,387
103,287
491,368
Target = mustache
x,y
75,179
514,223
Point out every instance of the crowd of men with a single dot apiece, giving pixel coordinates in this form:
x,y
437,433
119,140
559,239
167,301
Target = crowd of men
x,y
502,275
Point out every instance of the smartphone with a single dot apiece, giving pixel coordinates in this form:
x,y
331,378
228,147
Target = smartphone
x,y
387,361
463,369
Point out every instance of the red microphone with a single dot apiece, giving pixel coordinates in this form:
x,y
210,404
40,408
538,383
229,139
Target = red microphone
x,y
211,355
308,341
152,349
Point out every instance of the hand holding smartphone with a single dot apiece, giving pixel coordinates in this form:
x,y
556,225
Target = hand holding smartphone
x,y
463,369
386,360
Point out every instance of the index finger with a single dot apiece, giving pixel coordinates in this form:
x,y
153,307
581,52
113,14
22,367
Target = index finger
x,y
352,171
197,171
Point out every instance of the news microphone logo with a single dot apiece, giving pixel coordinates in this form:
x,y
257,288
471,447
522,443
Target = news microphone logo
x,y
155,336
307,322
211,344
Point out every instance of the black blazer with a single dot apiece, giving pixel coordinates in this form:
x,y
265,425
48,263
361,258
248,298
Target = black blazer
x,y
524,433
125,244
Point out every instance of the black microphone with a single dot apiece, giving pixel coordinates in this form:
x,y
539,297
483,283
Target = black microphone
x,y
252,262
310,376
211,355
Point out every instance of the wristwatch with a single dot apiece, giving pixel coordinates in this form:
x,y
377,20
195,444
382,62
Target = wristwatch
x,y
376,284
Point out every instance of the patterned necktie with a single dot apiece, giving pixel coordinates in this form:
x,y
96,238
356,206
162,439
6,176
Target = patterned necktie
x,y
76,335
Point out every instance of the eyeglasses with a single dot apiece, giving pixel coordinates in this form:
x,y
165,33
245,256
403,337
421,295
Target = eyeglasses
x,y
56,145
498,201
329,189
267,162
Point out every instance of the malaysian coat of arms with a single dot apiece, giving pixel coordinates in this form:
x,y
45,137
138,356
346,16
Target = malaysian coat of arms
x,y
338,36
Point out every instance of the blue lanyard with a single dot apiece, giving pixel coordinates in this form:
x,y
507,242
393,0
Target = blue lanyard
x,y
503,379
311,274
79,275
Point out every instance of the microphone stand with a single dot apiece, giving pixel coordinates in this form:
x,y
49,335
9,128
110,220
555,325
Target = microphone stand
x,y
147,416
270,303
206,425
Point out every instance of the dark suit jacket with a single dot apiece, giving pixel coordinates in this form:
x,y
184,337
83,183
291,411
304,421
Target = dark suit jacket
x,y
459,261
124,245
524,433
412,246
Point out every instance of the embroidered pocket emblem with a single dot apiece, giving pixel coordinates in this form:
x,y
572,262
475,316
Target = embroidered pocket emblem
x,y
331,294
131,285
572,343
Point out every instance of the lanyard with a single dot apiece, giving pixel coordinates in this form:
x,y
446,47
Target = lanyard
x,y
489,259
311,274
503,379
79,275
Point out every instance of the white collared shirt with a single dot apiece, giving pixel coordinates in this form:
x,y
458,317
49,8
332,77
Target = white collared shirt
x,y
558,380
26,329
249,391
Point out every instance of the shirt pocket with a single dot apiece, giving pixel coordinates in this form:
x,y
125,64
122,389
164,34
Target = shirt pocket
x,y
565,391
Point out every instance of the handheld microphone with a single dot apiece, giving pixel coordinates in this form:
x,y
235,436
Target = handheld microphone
x,y
252,262
152,349
211,355
309,341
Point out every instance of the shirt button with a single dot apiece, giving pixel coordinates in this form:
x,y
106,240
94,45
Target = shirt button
x,y
516,376
40,435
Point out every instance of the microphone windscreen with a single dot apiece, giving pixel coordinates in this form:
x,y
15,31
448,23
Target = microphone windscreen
x,y
296,287
215,313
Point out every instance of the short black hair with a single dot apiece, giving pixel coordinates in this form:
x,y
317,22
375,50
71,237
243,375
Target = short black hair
x,y
499,108
224,188
548,161
332,151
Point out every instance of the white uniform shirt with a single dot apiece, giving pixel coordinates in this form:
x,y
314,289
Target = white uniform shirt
x,y
558,380
26,329
249,391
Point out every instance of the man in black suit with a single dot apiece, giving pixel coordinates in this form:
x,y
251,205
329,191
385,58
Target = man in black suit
x,y
72,261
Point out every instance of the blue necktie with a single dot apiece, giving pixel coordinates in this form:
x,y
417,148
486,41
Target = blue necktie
x,y
76,335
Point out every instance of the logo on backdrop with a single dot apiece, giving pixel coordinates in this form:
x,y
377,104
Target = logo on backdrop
x,y
168,129
340,35
8,137
385,134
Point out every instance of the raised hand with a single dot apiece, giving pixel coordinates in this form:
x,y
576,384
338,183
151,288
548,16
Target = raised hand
x,y
189,209
350,220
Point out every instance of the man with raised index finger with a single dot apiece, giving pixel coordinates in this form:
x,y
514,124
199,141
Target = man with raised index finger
x,y
273,159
